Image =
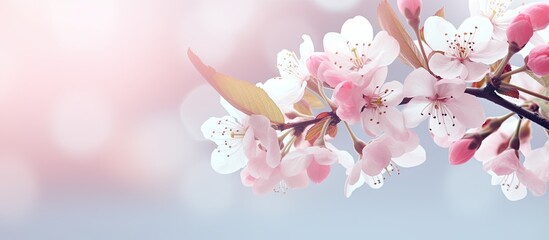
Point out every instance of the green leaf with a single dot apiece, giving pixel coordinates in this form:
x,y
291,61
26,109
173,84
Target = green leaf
x,y
389,22
242,95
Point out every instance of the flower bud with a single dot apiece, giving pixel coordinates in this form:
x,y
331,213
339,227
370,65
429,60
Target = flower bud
x,y
410,9
538,60
520,31
539,15
463,150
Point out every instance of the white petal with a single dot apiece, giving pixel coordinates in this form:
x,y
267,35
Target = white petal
x,y
384,49
437,31
475,71
446,67
481,27
419,83
354,180
375,182
357,30
394,98
221,130
448,88
411,159
489,52
285,92
306,49
512,192
228,160
415,111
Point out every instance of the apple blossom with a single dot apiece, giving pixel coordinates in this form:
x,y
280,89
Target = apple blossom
x,y
463,150
497,12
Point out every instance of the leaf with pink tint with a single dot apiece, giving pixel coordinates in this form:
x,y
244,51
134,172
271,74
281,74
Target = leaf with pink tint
x,y
242,95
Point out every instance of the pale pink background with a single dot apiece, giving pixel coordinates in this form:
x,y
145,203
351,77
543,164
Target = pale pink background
x,y
99,129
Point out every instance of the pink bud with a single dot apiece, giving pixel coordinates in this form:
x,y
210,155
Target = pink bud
x,y
410,8
463,150
539,15
313,63
538,60
520,31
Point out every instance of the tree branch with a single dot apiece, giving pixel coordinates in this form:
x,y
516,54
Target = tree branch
x,y
489,94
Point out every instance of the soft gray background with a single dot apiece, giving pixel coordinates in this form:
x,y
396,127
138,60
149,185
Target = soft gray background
x,y
241,38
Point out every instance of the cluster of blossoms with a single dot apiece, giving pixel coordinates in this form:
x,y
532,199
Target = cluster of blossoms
x,y
453,69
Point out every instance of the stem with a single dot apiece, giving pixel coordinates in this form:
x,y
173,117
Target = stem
x,y
526,91
489,94
323,95
507,74
418,35
502,64
321,139
357,143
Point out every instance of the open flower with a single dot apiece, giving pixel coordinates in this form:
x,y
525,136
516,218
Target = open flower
x,y
382,156
466,51
228,133
374,101
444,102
356,50
497,12
289,88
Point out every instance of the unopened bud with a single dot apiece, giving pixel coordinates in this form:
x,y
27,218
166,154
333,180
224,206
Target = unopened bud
x,y
464,149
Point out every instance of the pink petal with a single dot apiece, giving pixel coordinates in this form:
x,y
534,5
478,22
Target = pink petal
x,y
384,49
448,88
349,100
506,163
532,182
295,162
375,158
467,110
393,124
489,53
298,181
357,30
317,173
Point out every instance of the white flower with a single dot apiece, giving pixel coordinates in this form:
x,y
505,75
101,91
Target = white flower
x,y
355,49
466,51
228,133
496,11
289,88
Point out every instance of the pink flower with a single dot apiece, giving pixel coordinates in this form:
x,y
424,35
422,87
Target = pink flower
x,y
466,52
497,142
374,102
539,15
315,61
409,8
520,31
464,149
444,102
538,60
315,161
538,163
356,50
383,156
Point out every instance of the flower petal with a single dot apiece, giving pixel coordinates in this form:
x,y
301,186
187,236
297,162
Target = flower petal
x,y
414,113
467,110
375,157
475,71
419,83
317,173
437,31
295,162
357,30
446,66
411,159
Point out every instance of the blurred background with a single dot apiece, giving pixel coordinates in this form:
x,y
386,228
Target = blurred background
x,y
100,114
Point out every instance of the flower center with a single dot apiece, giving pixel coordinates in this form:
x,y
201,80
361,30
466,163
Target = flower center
x,y
377,102
357,58
228,135
437,110
461,45
510,181
497,7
